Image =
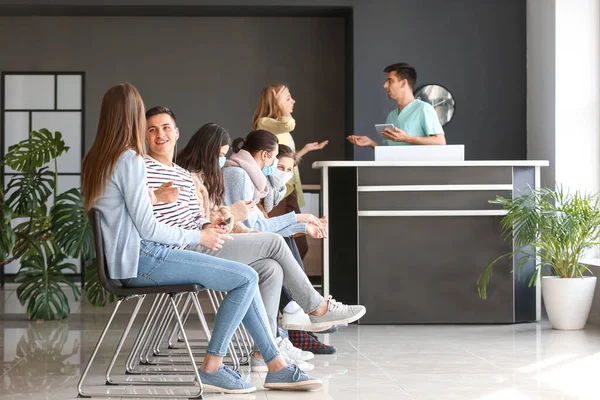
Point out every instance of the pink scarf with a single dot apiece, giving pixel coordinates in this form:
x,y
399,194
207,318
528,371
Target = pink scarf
x,y
244,160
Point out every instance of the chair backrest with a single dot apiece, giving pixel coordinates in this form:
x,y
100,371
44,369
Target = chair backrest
x,y
111,285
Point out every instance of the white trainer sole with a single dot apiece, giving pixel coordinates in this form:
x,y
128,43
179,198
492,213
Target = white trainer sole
x,y
217,389
304,385
355,317
321,326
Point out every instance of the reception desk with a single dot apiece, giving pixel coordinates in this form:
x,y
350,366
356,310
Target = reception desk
x,y
408,240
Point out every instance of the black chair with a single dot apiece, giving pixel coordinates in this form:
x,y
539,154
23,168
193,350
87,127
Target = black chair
x,y
115,287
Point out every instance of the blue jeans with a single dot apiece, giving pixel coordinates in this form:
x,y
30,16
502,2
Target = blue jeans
x,y
161,265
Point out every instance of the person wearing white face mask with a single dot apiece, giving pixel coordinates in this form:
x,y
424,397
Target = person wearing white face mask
x,y
278,181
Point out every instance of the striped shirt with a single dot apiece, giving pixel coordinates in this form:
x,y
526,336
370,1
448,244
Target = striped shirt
x,y
183,213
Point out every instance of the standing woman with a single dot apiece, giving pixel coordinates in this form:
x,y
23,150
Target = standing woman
x,y
274,114
140,251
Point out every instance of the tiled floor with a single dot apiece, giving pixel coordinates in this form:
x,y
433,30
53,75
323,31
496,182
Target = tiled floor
x,y
43,360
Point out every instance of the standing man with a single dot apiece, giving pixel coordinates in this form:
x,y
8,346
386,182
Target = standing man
x,y
415,121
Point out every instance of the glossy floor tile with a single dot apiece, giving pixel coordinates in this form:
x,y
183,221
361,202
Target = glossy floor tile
x,y
44,360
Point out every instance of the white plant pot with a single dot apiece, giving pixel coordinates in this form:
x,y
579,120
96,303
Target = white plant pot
x,y
568,300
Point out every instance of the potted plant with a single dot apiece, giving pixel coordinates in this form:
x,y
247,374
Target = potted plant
x,y
556,230
42,228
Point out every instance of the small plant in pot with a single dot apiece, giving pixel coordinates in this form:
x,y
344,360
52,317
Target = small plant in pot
x,y
555,229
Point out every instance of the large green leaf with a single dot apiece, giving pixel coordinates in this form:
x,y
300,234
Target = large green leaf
x,y
40,276
7,234
31,231
71,226
94,292
39,149
30,190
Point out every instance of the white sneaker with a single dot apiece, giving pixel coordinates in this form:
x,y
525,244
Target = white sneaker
x,y
259,365
338,314
286,347
300,321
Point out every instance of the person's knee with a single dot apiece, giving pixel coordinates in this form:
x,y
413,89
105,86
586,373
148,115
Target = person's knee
x,y
278,242
270,271
252,276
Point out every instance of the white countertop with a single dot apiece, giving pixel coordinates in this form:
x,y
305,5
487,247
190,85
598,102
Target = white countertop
x,y
493,163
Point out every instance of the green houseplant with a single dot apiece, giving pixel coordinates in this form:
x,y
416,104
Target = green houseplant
x,y
555,229
43,227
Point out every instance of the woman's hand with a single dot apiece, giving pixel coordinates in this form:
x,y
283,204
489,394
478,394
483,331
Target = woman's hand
x,y
251,206
213,237
308,218
281,96
324,221
316,232
310,147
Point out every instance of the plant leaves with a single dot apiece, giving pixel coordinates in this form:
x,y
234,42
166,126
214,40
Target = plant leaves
x,y
35,151
71,226
29,191
554,228
40,276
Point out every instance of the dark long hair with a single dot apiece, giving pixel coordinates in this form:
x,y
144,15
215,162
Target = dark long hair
x,y
256,141
201,154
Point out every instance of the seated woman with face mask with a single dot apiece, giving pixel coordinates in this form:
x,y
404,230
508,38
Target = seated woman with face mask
x,y
245,175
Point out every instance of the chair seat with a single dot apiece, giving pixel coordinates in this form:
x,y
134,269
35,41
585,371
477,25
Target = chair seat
x,y
125,291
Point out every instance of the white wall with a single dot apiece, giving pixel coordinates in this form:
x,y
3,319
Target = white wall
x,y
541,75
563,85
578,94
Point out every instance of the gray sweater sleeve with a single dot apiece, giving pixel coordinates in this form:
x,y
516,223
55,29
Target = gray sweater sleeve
x,y
238,186
130,178
276,193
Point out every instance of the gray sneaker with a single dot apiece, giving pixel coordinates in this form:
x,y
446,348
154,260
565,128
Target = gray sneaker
x,y
291,378
337,314
225,380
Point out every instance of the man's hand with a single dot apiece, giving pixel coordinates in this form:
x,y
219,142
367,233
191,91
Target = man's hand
x,y
308,218
212,238
395,135
167,193
362,141
316,232
153,199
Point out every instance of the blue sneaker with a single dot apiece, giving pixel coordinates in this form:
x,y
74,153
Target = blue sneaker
x,y
291,378
225,380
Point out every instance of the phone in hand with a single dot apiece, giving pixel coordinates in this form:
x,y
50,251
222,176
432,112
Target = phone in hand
x,y
226,222
381,127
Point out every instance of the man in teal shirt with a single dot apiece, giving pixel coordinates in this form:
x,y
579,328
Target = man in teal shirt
x,y
415,121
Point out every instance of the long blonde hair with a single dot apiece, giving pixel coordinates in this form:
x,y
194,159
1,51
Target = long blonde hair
x,y
122,126
267,106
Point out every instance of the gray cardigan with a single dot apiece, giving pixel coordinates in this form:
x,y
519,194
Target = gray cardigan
x,y
239,186
127,218
277,191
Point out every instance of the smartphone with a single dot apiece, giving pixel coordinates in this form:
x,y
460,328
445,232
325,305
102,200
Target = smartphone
x,y
227,221
381,127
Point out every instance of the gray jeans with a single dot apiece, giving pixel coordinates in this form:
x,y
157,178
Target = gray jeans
x,y
271,257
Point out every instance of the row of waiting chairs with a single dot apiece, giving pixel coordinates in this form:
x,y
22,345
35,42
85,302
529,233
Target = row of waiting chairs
x,y
162,354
